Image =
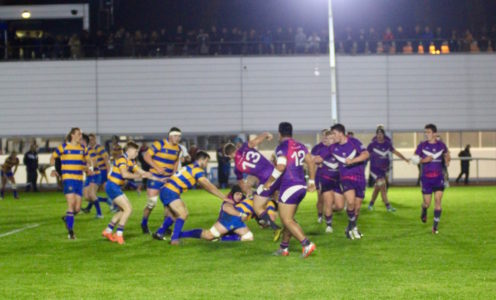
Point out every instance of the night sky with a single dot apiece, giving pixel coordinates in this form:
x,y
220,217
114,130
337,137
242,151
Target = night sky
x,y
310,14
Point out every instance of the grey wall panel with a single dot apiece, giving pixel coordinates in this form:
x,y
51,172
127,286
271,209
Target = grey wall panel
x,y
197,95
47,98
362,91
293,89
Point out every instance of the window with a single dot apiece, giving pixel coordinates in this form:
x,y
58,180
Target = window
x,y
470,137
488,139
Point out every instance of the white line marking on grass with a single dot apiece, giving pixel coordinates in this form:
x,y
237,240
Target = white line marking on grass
x,y
19,230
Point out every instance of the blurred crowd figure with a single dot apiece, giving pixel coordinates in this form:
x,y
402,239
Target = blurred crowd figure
x,y
236,41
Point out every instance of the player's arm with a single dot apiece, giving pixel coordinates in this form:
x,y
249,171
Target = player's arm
x,y
126,174
148,175
447,158
397,153
259,139
278,170
360,158
105,157
426,159
311,171
317,159
212,189
231,210
148,158
176,165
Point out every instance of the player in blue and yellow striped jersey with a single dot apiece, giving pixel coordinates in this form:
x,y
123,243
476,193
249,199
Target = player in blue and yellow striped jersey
x,y
163,158
74,161
230,225
6,173
93,183
124,167
170,195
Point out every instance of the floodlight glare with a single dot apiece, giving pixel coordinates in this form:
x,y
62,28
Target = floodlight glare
x,y
26,14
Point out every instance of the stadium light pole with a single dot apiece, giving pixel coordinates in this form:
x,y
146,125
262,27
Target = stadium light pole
x,y
332,64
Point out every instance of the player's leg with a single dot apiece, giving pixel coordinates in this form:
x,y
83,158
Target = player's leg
x,y
438,196
152,197
284,246
287,210
384,190
69,215
328,199
14,186
320,205
126,209
349,196
179,209
93,188
169,219
427,198
375,193
338,204
244,234
4,182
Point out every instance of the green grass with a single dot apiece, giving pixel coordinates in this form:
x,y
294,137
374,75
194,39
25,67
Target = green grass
x,y
397,258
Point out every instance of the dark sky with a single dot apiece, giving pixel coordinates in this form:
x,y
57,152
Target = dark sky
x,y
311,14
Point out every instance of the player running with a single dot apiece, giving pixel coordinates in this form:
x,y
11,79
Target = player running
x,y
289,177
315,150
329,185
170,195
74,161
8,175
163,158
380,150
124,167
431,153
351,155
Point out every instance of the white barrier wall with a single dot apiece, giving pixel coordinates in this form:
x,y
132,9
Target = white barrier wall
x,y
246,94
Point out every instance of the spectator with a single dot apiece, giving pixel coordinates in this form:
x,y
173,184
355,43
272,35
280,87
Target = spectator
x,y
203,42
267,43
278,41
314,43
483,40
372,40
224,168
400,38
324,43
362,41
348,40
289,41
300,41
31,162
179,41
214,39
75,45
464,156
454,42
252,43
439,38
224,46
387,39
427,38
492,37
467,41
417,37
100,40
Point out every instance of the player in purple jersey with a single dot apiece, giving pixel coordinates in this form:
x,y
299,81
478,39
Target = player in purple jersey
x,y
247,160
289,177
329,181
351,155
315,150
380,150
431,154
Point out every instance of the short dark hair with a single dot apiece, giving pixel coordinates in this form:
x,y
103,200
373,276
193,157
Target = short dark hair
x,y
286,129
201,155
235,189
132,144
73,130
92,135
174,129
229,148
381,130
86,138
431,127
339,128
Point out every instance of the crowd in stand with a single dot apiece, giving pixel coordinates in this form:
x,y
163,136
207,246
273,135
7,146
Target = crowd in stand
x,y
236,41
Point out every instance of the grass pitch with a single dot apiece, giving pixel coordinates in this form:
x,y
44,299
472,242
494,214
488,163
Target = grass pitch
x,y
397,258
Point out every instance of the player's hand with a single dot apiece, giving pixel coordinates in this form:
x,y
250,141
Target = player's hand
x,y
90,173
164,180
348,161
269,136
146,175
311,187
428,159
160,171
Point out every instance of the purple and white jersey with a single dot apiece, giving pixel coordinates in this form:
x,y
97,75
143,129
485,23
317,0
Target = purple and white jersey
x,y
316,152
380,155
433,169
330,165
349,150
295,153
249,161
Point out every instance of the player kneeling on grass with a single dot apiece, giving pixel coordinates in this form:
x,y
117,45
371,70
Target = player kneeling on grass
x,y
232,219
124,167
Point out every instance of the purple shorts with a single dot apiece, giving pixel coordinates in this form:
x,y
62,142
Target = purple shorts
x,y
358,186
326,185
430,185
378,174
273,188
292,194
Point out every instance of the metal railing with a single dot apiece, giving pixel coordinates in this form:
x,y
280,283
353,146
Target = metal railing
x,y
77,50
